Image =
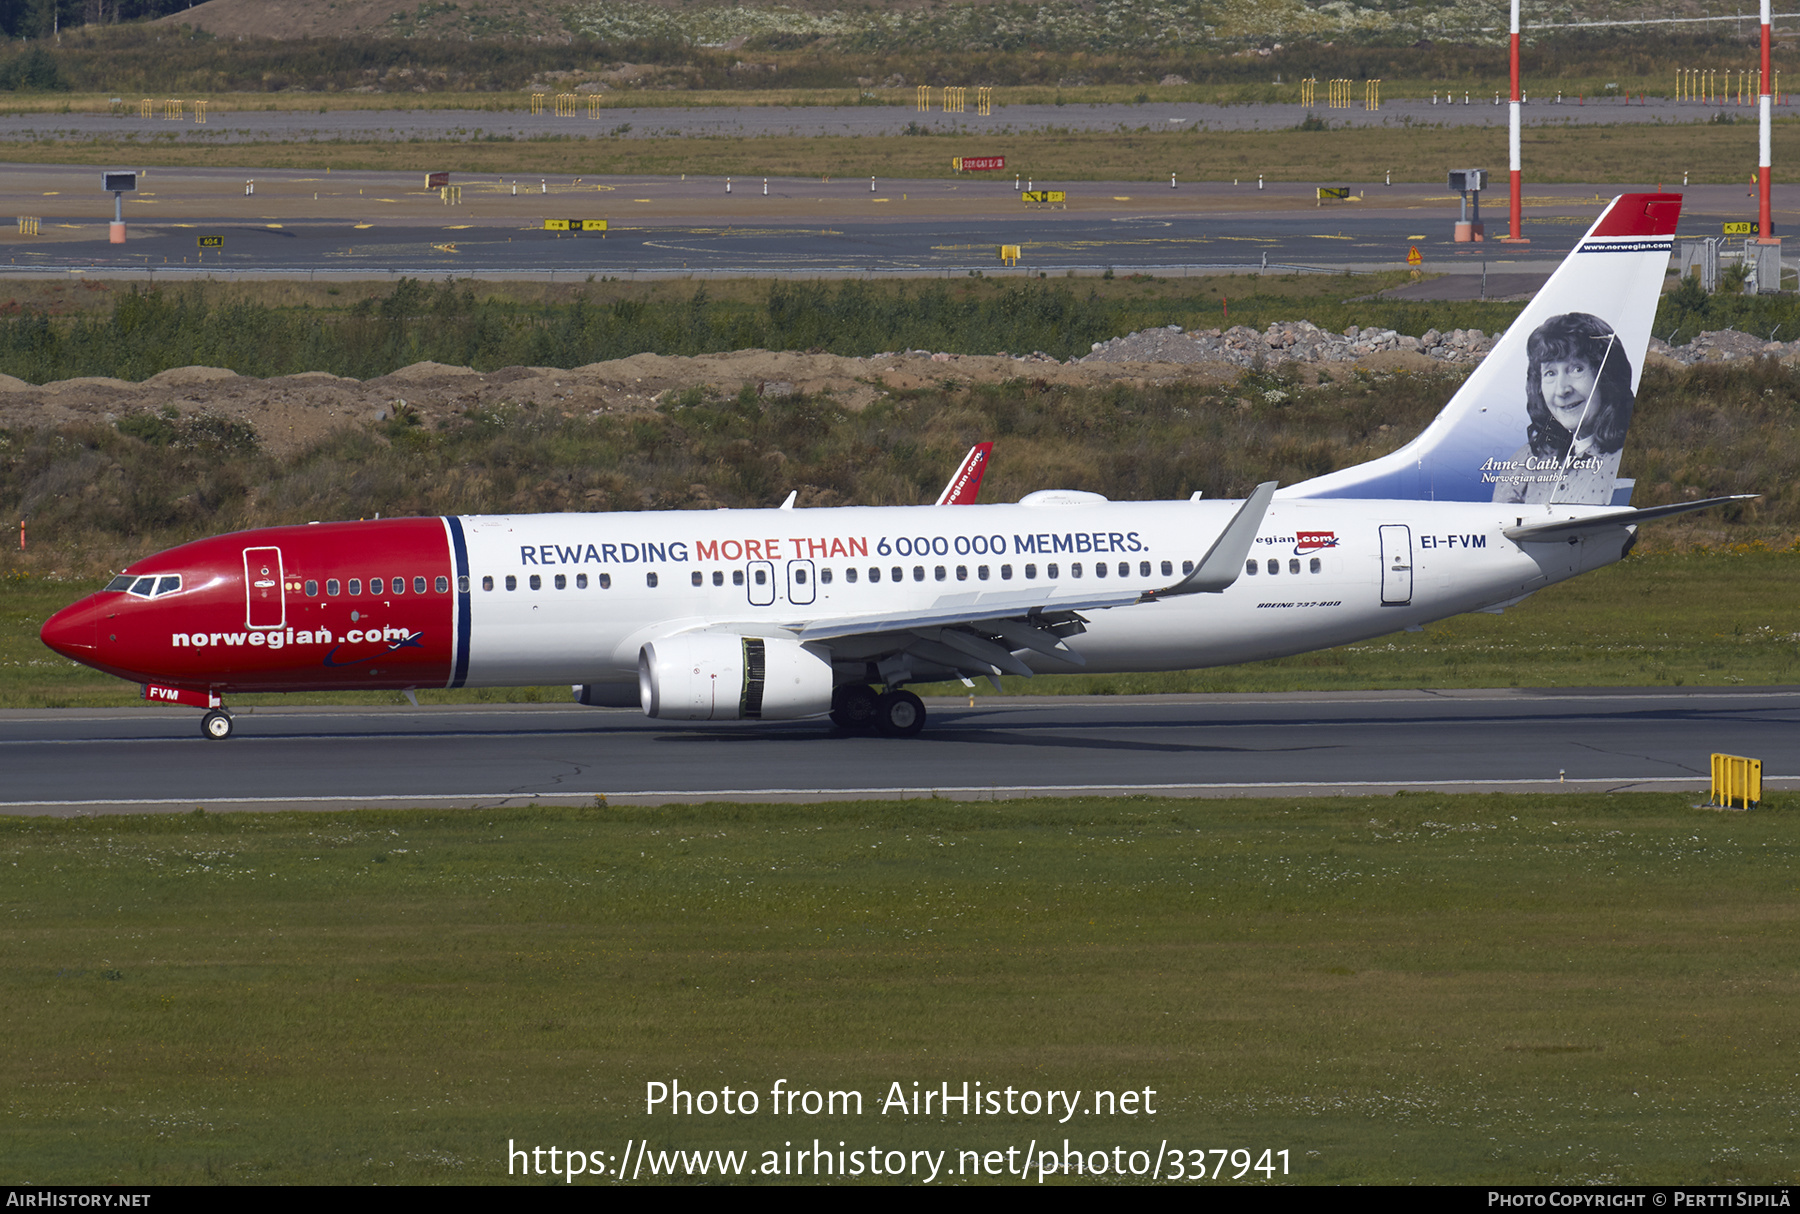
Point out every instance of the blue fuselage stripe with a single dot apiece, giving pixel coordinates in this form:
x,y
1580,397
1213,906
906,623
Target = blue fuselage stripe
x,y
462,601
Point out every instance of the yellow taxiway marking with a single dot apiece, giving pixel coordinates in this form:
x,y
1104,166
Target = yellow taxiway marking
x,y
879,200
360,226
454,227
51,193
1419,237
641,200
1325,236
447,248
271,225
1121,198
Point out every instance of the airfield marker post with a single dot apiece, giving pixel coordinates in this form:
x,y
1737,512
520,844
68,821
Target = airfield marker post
x,y
1516,235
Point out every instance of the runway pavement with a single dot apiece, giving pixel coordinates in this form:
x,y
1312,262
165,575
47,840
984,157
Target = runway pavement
x,y
1304,743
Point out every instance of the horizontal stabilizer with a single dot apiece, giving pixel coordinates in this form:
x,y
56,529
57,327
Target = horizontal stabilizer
x,y
1557,530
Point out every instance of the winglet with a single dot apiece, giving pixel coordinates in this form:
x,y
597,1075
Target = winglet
x,y
1224,561
966,482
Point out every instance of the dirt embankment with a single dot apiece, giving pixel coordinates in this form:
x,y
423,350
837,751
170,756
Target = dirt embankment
x,y
293,411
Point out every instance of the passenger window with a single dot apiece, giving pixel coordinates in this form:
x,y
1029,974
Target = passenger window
x,y
1031,573
650,580
1274,566
605,580
168,585
462,583
800,577
376,584
718,577
1187,567
825,576
562,581
761,577
1143,568
487,583
1168,569
312,588
919,573
331,587
537,583
356,585
874,573
512,583
981,572
699,578
1075,569
442,585
962,573
939,572
1099,569
581,581
1294,564
898,574
1250,568
418,585
399,585
1315,566
1006,573
737,577
850,575
1050,572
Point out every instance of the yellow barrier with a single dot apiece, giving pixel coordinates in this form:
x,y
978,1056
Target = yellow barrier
x,y
450,195
593,105
172,109
565,104
1009,253
1736,782
955,101
537,103
146,108
1341,92
199,111
922,96
1309,91
984,101
28,225
1371,94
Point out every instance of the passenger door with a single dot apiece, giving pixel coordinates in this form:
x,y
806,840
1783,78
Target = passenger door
x,y
265,600
1396,565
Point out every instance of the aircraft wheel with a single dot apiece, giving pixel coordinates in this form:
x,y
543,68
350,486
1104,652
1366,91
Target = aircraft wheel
x,y
900,714
854,708
216,725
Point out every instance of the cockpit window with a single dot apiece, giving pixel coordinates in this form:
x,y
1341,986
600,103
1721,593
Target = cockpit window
x,y
169,583
143,586
122,582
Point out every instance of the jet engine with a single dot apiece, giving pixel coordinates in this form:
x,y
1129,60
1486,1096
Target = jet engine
x,y
713,676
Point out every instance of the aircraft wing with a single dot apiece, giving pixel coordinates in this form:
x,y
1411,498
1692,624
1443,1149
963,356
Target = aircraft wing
x,y
979,632
965,482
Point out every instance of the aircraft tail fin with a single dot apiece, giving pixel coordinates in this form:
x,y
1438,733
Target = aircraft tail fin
x,y
1543,418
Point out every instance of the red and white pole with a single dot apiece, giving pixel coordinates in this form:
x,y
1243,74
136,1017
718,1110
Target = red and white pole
x,y
1512,136
1765,227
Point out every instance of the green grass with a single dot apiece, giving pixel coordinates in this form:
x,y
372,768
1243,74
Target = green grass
x,y
1633,154
1696,619
1470,990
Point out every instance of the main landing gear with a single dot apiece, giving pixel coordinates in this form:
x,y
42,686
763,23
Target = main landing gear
x,y
855,708
216,724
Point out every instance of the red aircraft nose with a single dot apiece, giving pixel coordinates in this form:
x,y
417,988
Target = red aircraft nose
x,y
71,631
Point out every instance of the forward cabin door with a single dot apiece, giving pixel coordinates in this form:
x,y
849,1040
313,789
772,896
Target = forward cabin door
x,y
1396,565
264,589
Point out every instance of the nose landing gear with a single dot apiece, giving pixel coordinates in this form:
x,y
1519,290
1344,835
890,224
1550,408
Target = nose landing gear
x,y
216,724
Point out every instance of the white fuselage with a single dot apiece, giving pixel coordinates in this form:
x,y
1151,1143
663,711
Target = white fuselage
x,y
1327,572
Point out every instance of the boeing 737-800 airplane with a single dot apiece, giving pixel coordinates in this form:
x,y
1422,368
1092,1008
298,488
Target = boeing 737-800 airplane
x,y
782,614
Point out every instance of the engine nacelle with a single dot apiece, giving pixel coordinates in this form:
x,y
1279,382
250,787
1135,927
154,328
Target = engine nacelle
x,y
715,676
